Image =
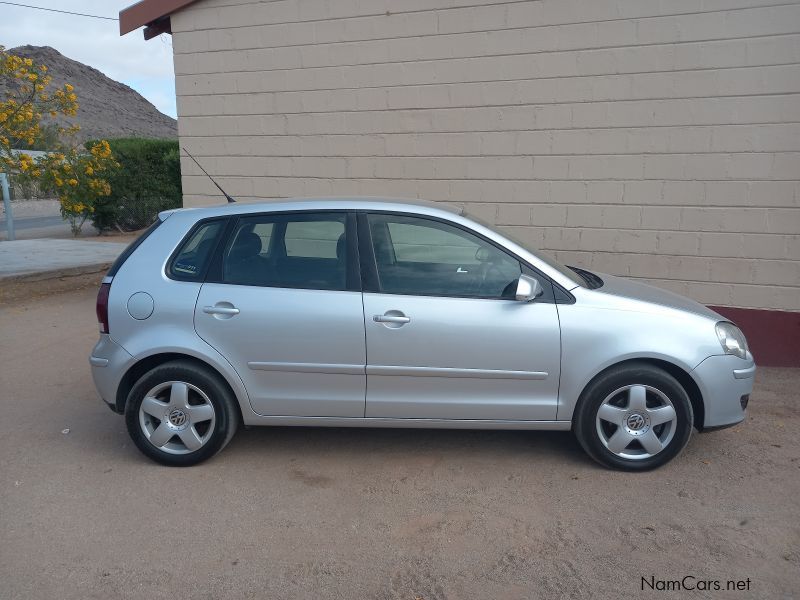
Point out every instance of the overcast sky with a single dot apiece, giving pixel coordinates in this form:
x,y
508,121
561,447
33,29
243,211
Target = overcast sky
x,y
145,66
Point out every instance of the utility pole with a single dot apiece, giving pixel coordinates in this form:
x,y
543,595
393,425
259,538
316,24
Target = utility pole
x,y
7,206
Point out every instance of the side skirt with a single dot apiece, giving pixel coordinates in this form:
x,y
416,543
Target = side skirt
x,y
257,420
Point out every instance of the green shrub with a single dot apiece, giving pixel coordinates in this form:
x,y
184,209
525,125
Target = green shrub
x,y
147,182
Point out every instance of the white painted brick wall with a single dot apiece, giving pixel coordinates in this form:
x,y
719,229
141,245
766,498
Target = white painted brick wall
x,y
657,140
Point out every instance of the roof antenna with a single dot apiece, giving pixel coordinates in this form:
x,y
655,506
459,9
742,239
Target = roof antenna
x,y
224,193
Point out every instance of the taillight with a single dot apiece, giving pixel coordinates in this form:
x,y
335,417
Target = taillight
x,y
102,306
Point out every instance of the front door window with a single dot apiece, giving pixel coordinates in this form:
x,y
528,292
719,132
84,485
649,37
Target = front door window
x,y
423,257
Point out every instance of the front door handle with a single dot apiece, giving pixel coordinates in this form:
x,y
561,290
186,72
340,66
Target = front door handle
x,y
227,311
391,319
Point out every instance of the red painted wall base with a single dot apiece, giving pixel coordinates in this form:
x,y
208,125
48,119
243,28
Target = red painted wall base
x,y
773,335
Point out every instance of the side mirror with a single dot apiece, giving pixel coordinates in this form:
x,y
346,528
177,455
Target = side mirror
x,y
528,288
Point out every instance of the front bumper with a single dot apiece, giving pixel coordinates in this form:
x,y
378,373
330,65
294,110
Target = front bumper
x,y
726,382
109,362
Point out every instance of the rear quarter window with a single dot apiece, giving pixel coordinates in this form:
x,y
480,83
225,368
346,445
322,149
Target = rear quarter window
x,y
191,260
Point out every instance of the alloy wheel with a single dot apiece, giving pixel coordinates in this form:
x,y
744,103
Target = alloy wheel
x,y
636,422
177,417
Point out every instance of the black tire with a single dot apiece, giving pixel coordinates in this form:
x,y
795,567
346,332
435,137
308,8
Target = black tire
x,y
585,421
225,418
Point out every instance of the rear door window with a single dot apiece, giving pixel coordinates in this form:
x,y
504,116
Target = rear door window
x,y
299,250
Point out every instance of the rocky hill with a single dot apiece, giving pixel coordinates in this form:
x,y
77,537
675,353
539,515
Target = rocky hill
x,y
107,108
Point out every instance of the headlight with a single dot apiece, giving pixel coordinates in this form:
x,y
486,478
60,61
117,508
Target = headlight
x,y
732,339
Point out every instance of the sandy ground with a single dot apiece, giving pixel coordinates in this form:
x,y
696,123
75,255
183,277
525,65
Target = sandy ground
x,y
347,513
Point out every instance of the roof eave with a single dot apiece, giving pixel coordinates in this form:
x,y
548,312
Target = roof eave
x,y
154,15
163,25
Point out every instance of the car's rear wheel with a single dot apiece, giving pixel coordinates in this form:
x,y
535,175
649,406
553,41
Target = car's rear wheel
x,y
634,417
180,414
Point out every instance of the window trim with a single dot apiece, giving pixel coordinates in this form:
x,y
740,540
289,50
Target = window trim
x,y
369,265
168,271
352,260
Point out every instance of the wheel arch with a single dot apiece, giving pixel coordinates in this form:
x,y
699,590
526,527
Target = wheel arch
x,y
147,363
683,377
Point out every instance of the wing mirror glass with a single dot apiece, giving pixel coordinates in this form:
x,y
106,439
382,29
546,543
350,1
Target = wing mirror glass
x,y
528,288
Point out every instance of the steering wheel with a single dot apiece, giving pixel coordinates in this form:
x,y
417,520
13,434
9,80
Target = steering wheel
x,y
486,270
487,266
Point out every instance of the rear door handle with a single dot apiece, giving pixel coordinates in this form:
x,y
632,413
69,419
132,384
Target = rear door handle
x,y
391,319
221,310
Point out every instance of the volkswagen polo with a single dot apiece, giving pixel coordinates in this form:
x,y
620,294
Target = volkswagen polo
x,y
389,313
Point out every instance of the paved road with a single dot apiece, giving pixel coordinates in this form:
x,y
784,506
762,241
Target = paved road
x,y
24,257
31,228
362,514
34,222
35,219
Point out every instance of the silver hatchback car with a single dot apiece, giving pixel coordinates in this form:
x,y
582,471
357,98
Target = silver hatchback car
x,y
387,313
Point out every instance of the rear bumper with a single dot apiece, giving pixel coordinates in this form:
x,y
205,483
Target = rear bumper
x,y
726,382
108,362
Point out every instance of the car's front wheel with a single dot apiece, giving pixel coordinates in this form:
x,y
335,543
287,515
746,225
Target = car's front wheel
x,y
180,414
634,417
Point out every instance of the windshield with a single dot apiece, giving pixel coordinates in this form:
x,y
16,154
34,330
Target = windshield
x,y
567,272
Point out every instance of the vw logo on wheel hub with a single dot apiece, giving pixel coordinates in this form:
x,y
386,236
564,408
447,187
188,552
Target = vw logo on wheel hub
x,y
177,417
635,422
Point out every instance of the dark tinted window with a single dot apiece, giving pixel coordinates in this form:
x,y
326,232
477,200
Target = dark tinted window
x,y
192,258
300,250
425,257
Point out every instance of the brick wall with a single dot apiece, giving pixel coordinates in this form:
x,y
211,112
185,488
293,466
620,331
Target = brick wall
x,y
657,140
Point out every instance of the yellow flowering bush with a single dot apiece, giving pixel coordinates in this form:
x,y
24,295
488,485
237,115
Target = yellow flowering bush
x,y
75,176
73,173
25,102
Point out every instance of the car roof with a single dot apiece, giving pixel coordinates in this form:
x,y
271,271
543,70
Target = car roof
x,y
328,203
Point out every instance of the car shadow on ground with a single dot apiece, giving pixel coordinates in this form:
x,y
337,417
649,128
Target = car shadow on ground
x,y
455,444
251,444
